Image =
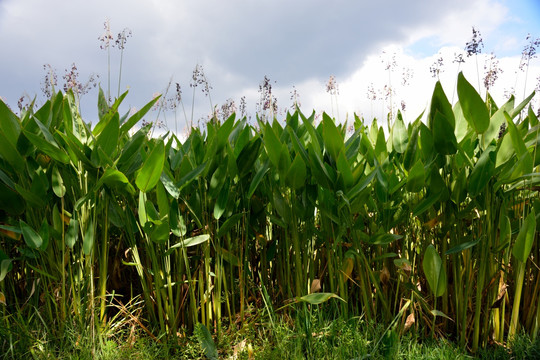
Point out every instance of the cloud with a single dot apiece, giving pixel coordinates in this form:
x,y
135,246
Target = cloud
x,y
238,42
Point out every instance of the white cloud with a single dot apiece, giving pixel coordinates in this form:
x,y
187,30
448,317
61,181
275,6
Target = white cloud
x,y
417,94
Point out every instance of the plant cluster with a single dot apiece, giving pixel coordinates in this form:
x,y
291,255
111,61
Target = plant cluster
x,y
430,230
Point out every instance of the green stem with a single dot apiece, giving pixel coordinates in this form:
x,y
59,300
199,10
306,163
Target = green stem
x,y
520,271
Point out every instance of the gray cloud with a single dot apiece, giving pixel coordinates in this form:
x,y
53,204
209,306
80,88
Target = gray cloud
x,y
238,41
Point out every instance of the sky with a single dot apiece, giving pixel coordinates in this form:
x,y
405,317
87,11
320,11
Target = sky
x,y
378,52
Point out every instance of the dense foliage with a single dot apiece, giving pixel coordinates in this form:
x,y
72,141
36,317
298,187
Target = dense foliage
x,y
428,228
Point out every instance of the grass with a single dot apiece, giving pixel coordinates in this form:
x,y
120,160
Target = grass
x,y
338,339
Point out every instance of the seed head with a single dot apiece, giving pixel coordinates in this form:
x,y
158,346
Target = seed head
x,y
371,93
474,47
107,36
294,97
331,86
198,78
49,81
267,100
529,51
458,58
242,107
436,68
122,38
492,71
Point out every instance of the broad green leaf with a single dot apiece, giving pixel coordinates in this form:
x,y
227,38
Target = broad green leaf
x,y
218,179
366,149
192,241
221,201
344,169
45,234
358,188
474,108
143,217
416,177
57,183
47,147
160,232
296,176
114,178
108,113
443,135
426,142
282,207
45,132
515,112
58,224
186,179
229,224
228,256
107,141
195,240
103,103
400,135
248,156
13,229
206,341
381,150
461,247
426,203
224,131
440,313
390,344
434,271
72,234
257,179
533,119
88,239
134,119
384,239
297,145
403,263
525,239
10,201
162,201
151,170
517,139
412,148
462,126
497,120
5,267
522,167
271,144
315,138
5,264
240,136
284,162
152,213
332,137
75,149
31,237
30,197
318,169
318,298
132,148
505,151
177,223
505,228
482,172
440,104
9,152
10,127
